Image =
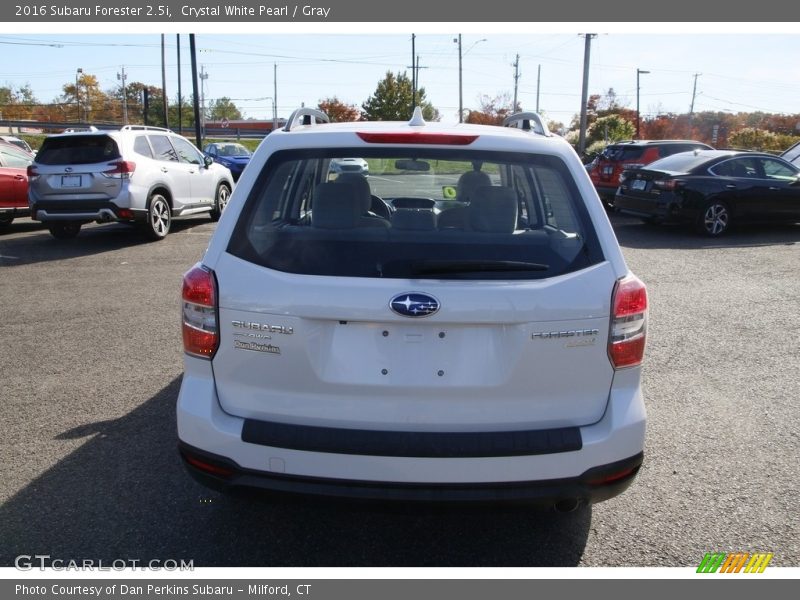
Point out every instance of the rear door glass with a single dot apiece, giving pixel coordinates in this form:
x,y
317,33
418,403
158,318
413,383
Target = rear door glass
x,y
77,150
520,216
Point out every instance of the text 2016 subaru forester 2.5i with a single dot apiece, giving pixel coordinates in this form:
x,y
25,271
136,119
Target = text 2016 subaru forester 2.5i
x,y
140,175
461,326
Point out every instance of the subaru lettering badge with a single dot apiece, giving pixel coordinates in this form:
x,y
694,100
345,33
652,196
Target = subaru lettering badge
x,y
414,304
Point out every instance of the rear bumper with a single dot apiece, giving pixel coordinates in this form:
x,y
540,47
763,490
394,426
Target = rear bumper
x,y
14,211
214,447
102,211
662,209
594,485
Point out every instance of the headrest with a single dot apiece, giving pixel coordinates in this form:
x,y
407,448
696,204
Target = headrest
x,y
493,210
361,186
336,206
468,182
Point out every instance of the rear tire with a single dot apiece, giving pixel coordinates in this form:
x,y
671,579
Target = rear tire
x,y
159,218
221,201
65,230
6,221
714,220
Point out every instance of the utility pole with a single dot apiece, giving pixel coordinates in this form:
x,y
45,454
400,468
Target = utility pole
x,y
180,99
538,83
198,133
516,83
460,85
415,82
122,77
78,92
275,96
585,92
413,74
203,77
691,107
164,83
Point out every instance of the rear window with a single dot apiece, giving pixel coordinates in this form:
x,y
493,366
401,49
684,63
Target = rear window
x,y
77,150
792,155
679,163
419,214
623,152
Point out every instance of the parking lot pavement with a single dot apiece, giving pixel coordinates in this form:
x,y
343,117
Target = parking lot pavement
x,y
91,366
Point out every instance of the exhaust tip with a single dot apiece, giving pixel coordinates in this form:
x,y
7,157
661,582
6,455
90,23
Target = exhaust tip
x,y
567,505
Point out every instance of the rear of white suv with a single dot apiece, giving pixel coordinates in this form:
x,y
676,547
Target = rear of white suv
x,y
415,339
140,175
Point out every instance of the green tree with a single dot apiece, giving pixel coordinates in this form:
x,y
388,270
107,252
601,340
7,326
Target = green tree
x,y
19,103
751,138
610,128
223,108
393,100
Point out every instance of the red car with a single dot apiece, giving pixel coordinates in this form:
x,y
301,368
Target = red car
x,y
609,165
13,183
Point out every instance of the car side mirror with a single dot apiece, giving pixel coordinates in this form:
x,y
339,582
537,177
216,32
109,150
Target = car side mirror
x,y
208,160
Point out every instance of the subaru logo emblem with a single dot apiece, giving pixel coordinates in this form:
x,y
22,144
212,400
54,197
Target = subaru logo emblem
x,y
414,304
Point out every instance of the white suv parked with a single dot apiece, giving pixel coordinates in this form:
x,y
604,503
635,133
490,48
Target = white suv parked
x,y
141,175
459,326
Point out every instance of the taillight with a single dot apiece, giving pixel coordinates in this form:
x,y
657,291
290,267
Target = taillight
x,y
668,184
32,172
628,323
200,330
446,139
122,169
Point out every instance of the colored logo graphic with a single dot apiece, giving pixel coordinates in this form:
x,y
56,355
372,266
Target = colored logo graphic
x,y
736,562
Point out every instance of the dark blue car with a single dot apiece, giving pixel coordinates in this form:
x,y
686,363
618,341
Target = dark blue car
x,y
231,155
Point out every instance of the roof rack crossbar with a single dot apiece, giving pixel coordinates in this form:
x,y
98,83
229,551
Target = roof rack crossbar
x,y
306,116
528,121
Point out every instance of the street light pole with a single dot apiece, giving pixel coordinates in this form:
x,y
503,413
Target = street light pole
x,y
638,116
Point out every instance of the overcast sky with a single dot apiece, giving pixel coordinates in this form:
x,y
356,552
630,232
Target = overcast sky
x,y
738,71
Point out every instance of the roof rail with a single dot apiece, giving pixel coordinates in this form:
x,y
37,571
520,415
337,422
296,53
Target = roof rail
x,y
89,129
306,116
141,128
528,121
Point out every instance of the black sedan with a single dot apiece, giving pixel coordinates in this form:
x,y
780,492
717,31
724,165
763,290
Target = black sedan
x,y
712,189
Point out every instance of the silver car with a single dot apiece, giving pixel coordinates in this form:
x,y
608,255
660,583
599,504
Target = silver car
x,y
140,175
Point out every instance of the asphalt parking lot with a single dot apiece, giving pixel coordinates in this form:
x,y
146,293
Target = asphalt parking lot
x,y
90,355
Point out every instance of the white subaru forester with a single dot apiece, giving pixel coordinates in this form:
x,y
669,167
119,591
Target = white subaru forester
x,y
460,325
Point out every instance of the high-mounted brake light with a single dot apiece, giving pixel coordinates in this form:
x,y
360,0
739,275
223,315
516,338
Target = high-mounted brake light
x,y
200,330
628,323
441,139
122,169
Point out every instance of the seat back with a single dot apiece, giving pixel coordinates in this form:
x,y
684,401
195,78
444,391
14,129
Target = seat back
x,y
493,210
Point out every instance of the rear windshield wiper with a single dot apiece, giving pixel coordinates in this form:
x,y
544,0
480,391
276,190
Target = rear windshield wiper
x,y
437,266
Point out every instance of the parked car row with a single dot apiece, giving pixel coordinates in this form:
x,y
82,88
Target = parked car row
x,y
607,168
712,189
150,176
